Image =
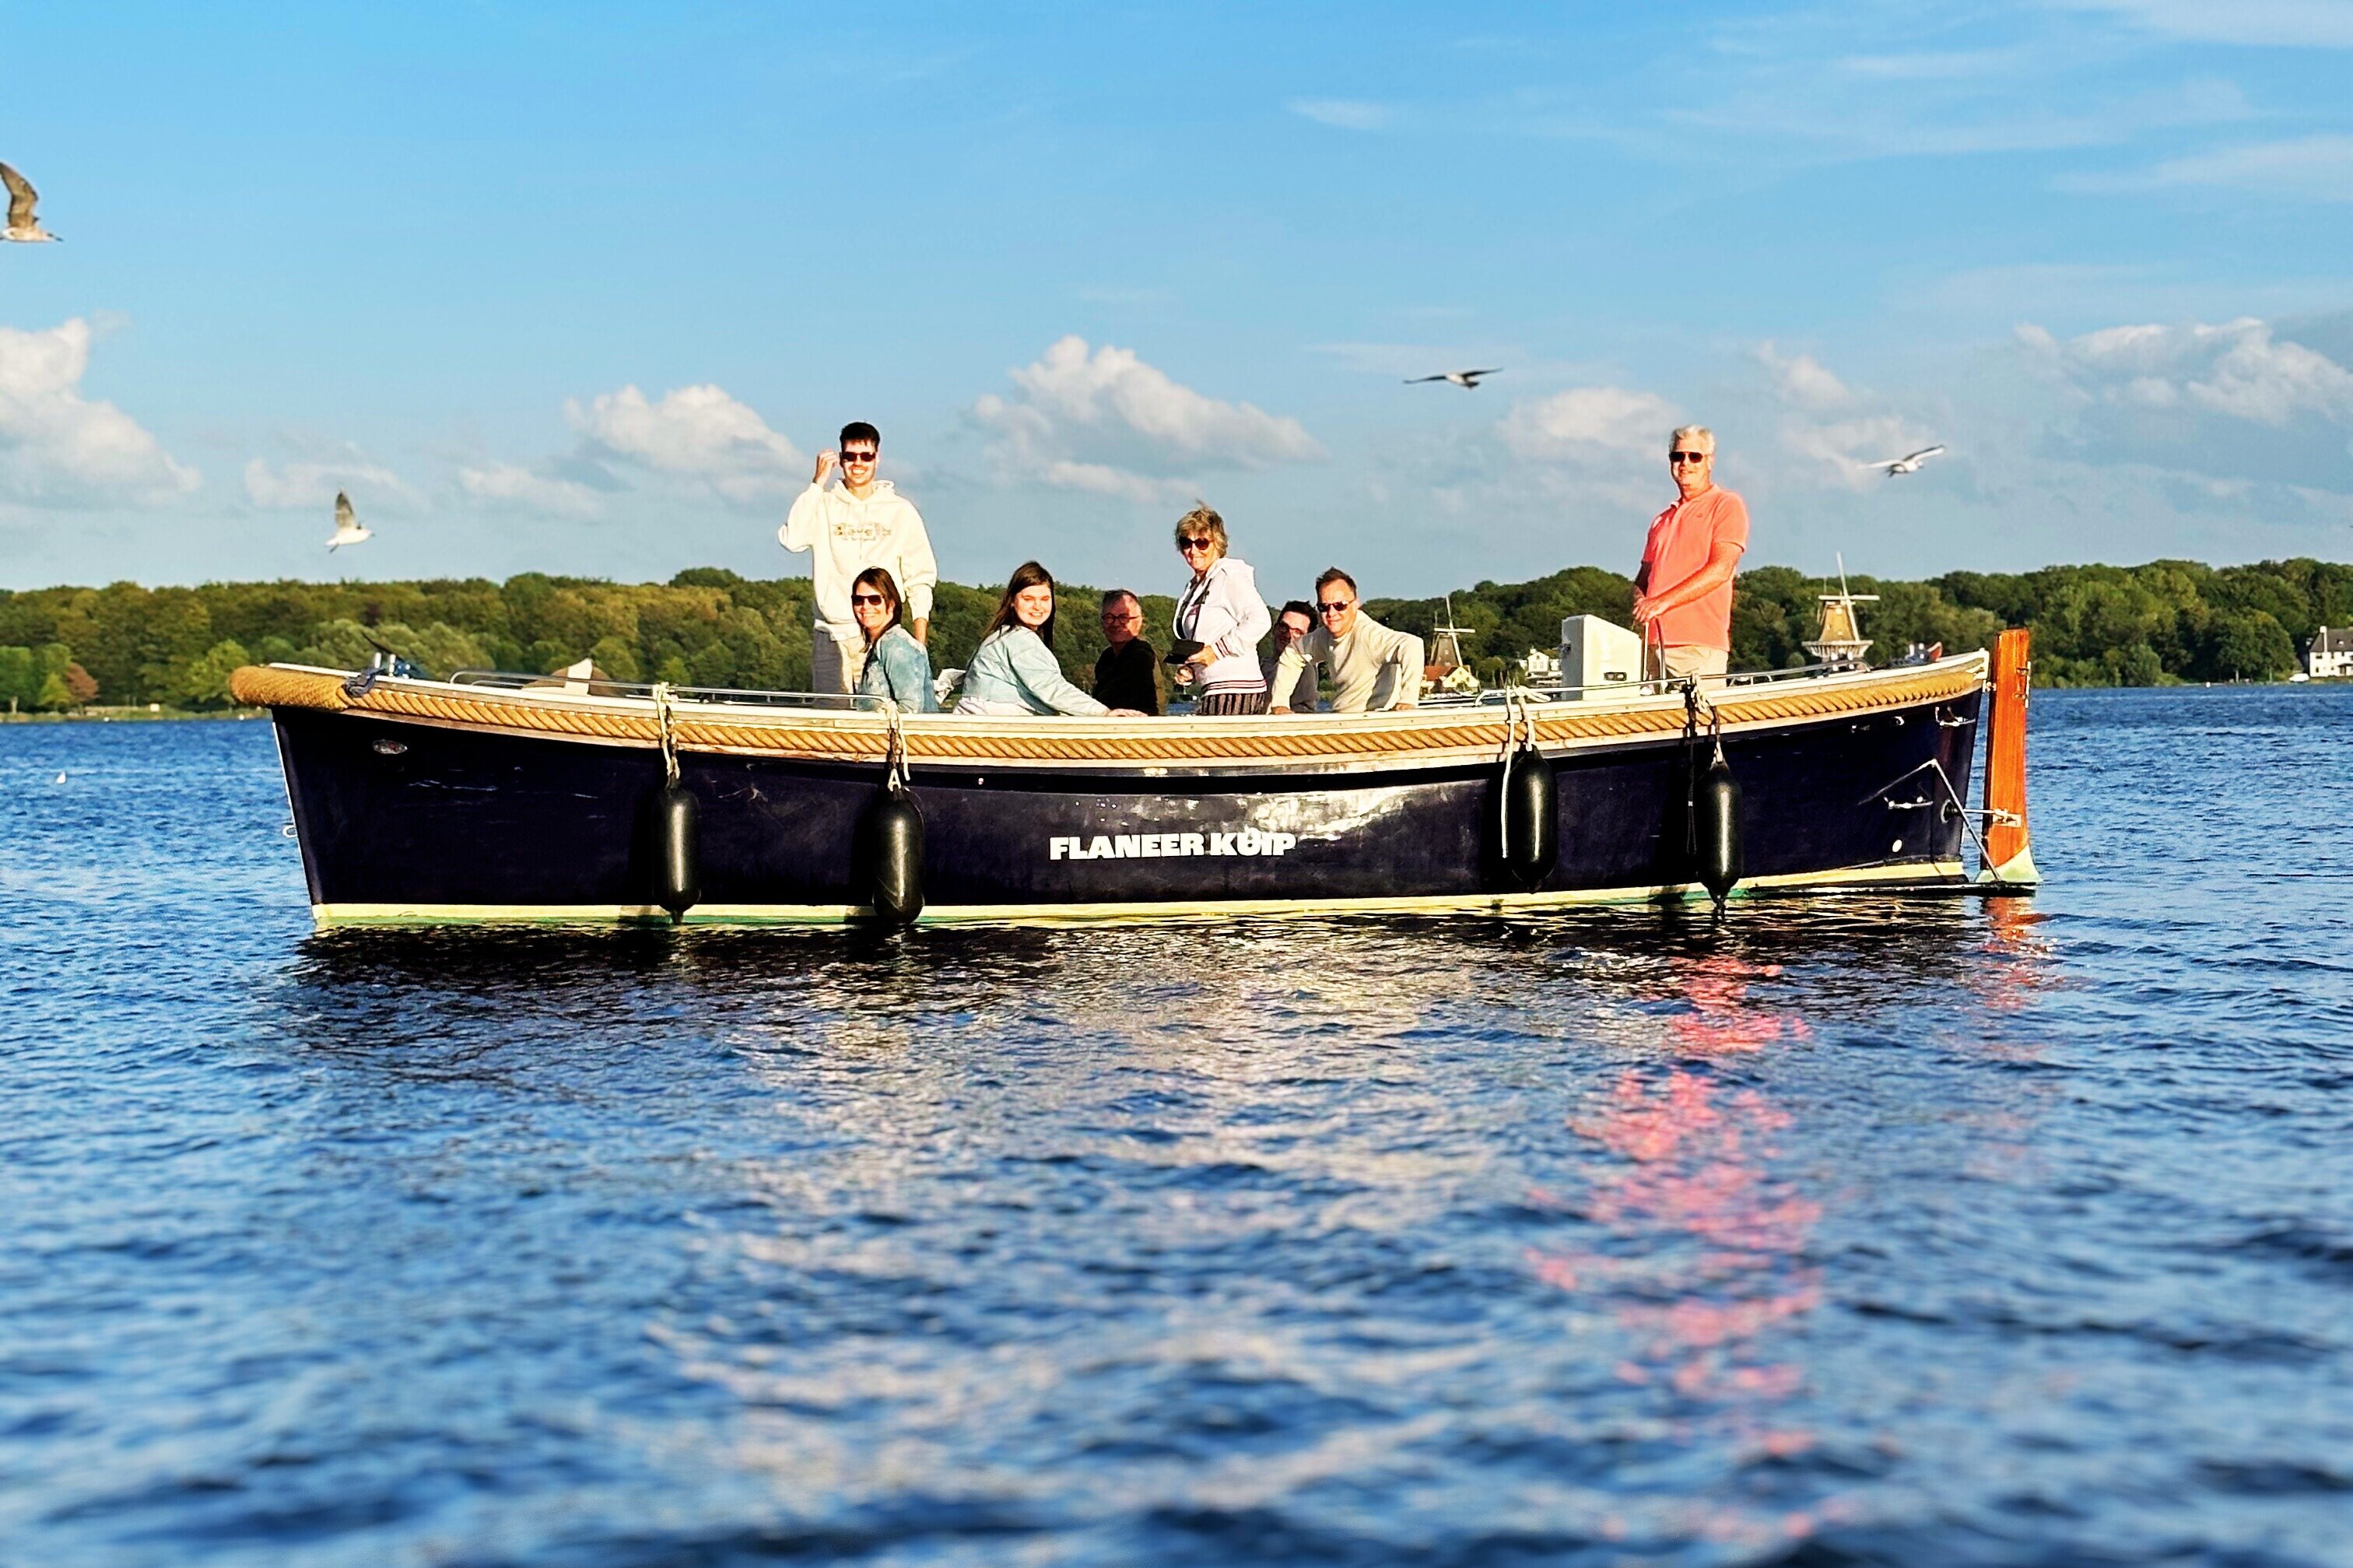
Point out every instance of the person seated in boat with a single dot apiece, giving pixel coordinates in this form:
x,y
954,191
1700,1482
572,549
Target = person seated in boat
x,y
1682,594
896,666
1373,668
1013,670
859,523
1219,620
1291,622
1127,672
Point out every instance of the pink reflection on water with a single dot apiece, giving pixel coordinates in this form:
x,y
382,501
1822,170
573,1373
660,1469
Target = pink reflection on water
x,y
1722,1021
1704,1262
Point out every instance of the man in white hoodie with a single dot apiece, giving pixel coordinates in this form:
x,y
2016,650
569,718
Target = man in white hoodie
x,y
857,523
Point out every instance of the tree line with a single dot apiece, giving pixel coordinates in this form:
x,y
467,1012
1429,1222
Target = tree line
x,y
65,648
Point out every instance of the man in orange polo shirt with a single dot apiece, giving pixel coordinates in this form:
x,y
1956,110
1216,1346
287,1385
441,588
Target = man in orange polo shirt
x,y
1683,595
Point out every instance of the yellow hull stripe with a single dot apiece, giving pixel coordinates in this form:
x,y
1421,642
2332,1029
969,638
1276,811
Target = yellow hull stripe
x,y
1938,874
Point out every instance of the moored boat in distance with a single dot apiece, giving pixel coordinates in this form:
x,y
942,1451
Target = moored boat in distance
x,y
494,799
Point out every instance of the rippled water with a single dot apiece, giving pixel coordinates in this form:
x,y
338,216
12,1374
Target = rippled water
x,y
1852,1230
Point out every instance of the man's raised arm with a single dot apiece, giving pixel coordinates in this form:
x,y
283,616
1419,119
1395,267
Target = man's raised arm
x,y
799,532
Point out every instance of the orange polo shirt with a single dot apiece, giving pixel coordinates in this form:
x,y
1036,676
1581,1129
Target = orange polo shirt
x,y
1681,539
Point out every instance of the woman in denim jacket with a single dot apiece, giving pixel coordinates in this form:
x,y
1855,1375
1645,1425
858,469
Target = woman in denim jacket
x,y
896,665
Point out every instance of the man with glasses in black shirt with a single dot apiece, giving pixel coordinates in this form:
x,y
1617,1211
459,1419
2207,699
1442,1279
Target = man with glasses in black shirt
x,y
1127,673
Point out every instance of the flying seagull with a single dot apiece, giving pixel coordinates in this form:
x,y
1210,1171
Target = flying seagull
x,y
1910,464
349,529
1466,379
22,225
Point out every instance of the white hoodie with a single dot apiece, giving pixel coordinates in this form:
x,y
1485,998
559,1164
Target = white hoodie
x,y
849,535
1223,610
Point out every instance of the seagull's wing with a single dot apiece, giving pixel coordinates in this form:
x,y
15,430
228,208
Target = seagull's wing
x,y
1417,380
1890,464
1923,452
1497,370
21,198
344,518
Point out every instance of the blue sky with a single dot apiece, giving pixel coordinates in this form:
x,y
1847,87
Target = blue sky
x,y
580,289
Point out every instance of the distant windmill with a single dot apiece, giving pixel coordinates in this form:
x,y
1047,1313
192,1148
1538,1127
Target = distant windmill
x,y
23,226
1910,464
349,529
1466,379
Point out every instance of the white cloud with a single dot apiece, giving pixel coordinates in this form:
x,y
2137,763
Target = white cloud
x,y
512,487
698,441
1801,378
693,432
1840,449
59,448
303,486
2228,401
1112,388
2297,23
1105,421
1590,424
2311,168
1342,114
1825,432
2238,369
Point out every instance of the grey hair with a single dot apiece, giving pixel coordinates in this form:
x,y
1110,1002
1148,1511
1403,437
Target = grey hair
x,y
1702,438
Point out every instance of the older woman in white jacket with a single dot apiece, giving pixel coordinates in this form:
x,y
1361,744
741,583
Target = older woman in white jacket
x,y
1222,610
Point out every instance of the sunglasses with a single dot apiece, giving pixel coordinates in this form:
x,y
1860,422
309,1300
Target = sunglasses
x,y
1123,615
1194,544
1687,457
1334,607
866,598
849,457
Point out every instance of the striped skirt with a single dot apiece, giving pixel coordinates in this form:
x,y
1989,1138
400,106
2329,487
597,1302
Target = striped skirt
x,y
1217,705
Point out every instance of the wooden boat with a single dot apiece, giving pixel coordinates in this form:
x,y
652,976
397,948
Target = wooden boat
x,y
487,799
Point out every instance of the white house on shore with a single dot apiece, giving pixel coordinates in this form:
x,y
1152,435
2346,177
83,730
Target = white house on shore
x,y
2329,655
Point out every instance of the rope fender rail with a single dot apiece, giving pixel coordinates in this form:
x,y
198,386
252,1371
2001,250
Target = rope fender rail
x,y
1468,732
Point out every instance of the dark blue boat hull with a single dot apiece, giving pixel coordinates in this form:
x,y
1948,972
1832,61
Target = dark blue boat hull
x,y
404,820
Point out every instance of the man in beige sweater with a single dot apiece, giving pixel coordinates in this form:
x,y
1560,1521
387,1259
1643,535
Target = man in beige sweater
x,y
1372,667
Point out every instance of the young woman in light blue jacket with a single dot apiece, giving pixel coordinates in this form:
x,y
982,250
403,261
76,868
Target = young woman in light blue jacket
x,y
1014,670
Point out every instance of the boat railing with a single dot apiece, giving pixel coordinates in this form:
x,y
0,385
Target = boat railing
x,y
838,701
643,690
1658,686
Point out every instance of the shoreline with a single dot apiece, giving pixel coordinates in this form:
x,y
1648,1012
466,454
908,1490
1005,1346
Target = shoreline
x,y
133,715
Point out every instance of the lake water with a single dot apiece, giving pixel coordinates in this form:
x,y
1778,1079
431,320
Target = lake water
x,y
1850,1231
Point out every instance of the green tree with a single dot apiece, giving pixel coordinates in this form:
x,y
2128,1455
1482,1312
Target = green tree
x,y
20,678
2249,645
203,681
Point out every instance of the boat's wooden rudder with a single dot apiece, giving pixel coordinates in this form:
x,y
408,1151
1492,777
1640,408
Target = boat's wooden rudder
x,y
2009,860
